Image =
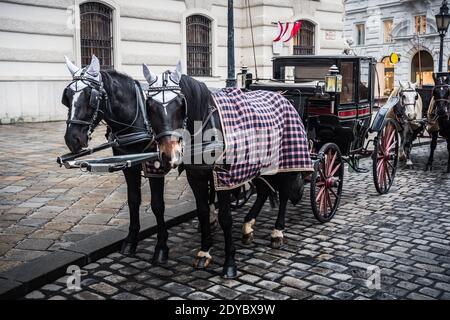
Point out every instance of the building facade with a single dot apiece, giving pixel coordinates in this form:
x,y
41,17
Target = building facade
x,y
36,34
408,27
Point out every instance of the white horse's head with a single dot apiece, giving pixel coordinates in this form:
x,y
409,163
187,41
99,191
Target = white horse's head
x,y
408,99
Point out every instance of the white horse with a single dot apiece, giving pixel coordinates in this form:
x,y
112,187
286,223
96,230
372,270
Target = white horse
x,y
407,113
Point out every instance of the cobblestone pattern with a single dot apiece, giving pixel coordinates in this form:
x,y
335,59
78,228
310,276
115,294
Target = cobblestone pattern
x,y
44,207
406,234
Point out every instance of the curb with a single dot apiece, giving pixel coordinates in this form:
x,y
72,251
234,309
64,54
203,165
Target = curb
x,y
21,280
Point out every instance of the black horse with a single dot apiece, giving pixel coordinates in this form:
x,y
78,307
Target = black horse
x,y
117,99
176,104
439,114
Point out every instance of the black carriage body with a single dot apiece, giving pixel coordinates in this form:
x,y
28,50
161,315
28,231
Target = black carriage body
x,y
343,118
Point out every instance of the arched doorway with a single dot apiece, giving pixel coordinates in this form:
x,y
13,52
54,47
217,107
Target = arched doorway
x,y
422,67
389,69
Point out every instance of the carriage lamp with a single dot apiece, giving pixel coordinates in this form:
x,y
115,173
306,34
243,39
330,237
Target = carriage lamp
x,y
242,77
442,23
333,80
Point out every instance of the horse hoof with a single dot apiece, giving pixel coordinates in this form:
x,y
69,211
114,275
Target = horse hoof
x,y
128,248
202,263
229,272
160,257
276,243
247,238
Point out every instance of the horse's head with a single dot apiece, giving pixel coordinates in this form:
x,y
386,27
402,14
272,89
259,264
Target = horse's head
x,y
82,98
441,95
408,100
167,111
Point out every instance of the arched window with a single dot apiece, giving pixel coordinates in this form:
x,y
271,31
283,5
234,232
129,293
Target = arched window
x,y
422,67
304,41
198,42
389,69
96,34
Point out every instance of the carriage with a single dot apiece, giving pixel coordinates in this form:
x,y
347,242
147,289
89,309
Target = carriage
x,y
334,96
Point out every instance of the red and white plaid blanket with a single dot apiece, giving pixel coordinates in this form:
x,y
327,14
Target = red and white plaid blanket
x,y
263,135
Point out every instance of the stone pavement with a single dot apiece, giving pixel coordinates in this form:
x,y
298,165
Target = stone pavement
x,y
405,234
44,207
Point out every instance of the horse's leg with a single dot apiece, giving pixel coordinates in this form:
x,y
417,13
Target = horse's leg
x,y
262,192
403,156
407,146
434,137
276,238
212,208
133,179
161,253
226,223
200,190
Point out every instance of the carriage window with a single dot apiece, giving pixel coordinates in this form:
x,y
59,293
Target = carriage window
x,y
364,81
304,40
198,41
348,87
96,34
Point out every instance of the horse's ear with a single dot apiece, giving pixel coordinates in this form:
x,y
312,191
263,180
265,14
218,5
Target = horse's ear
x,y
94,67
434,77
400,84
148,74
72,68
177,73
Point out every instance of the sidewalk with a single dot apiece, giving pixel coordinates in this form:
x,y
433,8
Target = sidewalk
x,y
44,207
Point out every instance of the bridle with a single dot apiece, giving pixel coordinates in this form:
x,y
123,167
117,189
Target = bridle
x,y
399,115
98,94
152,92
446,101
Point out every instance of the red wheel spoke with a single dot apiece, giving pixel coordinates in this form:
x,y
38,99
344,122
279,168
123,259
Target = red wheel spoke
x,y
389,142
330,167
320,183
335,170
319,195
388,173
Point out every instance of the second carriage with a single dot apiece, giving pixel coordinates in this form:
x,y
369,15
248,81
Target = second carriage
x,y
335,97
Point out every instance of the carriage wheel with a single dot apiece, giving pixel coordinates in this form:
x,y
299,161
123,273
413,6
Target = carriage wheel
x,y
326,182
240,196
385,157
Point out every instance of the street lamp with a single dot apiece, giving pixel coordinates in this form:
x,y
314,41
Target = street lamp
x,y
442,22
333,84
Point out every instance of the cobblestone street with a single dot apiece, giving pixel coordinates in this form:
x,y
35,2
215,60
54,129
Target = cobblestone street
x,y
44,207
406,234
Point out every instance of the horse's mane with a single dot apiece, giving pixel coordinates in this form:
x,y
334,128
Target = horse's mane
x,y
114,79
198,99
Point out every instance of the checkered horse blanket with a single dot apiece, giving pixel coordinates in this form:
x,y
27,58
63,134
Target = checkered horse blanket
x,y
263,135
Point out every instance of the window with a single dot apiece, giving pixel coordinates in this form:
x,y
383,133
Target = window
x,y
305,38
387,30
360,34
96,34
363,85
389,69
422,67
348,87
198,42
421,24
